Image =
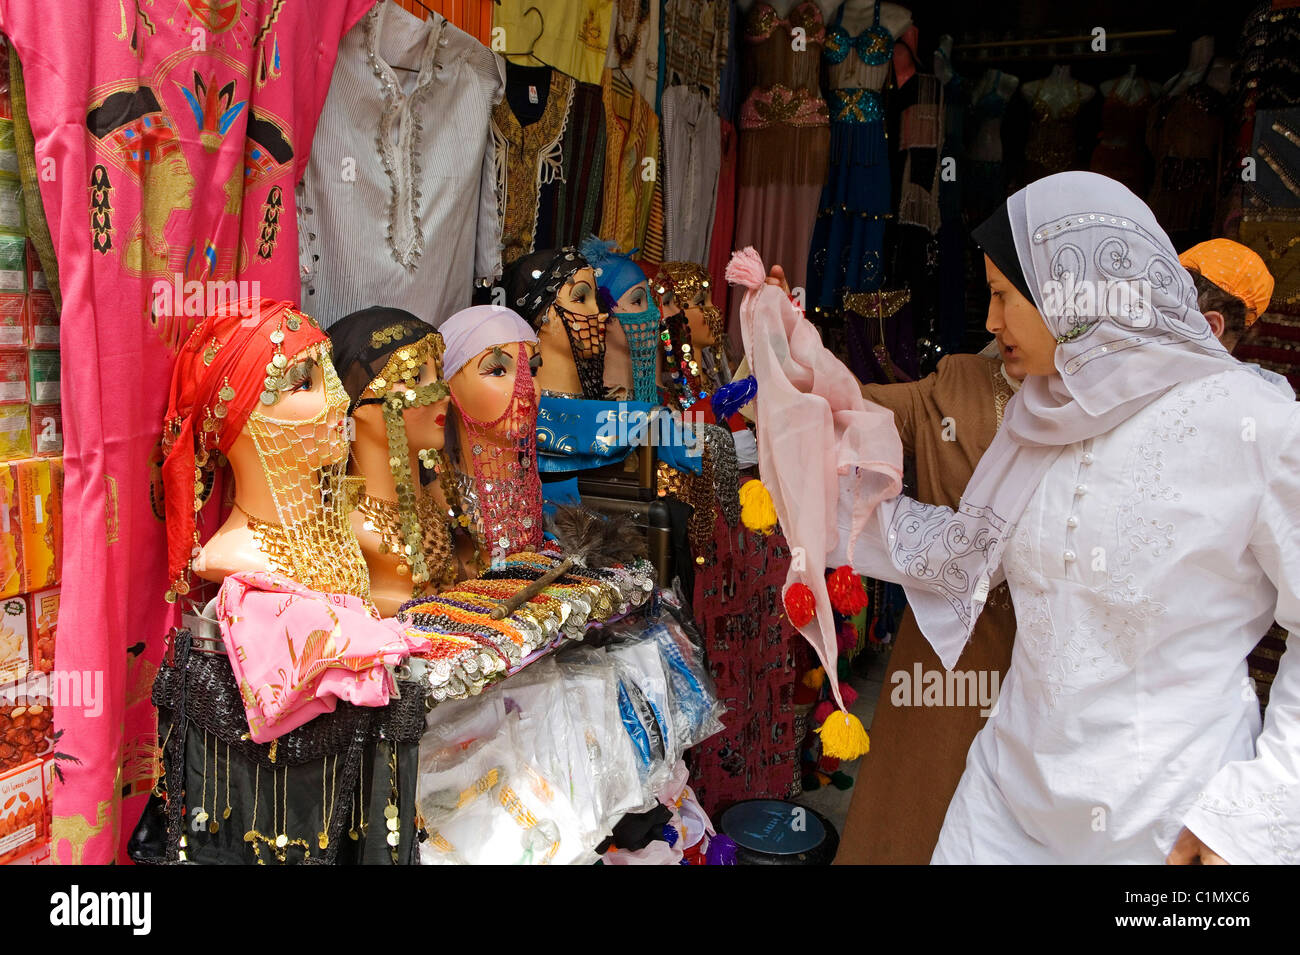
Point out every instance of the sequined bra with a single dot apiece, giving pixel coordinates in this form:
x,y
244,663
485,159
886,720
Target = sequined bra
x,y
875,44
764,20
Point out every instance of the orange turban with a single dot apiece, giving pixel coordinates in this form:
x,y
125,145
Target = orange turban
x,y
1237,270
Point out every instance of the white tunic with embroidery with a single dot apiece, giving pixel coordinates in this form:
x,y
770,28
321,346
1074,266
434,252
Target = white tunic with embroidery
x,y
1145,568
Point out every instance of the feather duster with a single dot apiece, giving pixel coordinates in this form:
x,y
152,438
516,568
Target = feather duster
x,y
596,540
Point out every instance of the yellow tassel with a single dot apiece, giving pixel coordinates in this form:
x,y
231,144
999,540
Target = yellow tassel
x,y
814,678
756,510
843,736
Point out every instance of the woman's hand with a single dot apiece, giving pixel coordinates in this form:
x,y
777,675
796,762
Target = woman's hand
x,y
776,276
1189,850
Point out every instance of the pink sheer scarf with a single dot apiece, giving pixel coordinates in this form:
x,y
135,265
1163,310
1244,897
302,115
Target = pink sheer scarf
x,y
813,426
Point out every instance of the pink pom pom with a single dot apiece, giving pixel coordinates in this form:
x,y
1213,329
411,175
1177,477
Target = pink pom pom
x,y
846,637
849,694
824,709
746,268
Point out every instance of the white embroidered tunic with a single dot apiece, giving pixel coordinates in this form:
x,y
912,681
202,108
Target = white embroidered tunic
x,y
398,205
1144,569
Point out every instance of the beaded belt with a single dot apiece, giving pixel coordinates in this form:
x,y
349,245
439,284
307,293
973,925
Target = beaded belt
x,y
779,105
856,106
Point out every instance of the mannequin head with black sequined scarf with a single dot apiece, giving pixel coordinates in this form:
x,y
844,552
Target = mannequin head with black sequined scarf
x,y
254,397
625,293
390,363
555,292
490,363
694,337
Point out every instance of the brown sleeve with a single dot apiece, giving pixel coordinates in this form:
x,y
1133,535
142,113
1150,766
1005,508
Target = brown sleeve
x,y
907,401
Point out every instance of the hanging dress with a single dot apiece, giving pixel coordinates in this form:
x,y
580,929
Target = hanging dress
x,y
783,140
1121,148
845,253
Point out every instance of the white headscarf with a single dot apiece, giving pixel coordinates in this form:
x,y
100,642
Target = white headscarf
x,y
1104,274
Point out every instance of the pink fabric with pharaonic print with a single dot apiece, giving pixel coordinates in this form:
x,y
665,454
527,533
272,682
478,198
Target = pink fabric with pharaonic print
x,y
296,653
169,136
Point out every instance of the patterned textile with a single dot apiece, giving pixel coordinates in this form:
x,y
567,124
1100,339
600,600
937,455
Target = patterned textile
x,y
176,164
754,657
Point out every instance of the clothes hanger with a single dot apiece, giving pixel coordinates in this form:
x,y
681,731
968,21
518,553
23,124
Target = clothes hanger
x,y
432,12
532,46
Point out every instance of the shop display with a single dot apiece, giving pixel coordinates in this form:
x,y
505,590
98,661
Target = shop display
x,y
784,137
549,131
260,395
625,295
490,366
632,134
847,244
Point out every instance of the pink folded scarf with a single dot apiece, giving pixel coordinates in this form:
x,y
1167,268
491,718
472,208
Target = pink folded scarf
x,y
296,652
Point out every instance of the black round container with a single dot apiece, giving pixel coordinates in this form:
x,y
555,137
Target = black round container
x,y
777,832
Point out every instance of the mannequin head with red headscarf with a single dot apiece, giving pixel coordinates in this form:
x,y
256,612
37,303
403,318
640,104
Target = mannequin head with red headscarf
x,y
254,396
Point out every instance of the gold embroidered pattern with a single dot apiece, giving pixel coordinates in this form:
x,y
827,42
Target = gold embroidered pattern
x,y
528,157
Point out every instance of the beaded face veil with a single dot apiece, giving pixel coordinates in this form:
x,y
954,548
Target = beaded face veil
x,y
229,381
306,465
388,357
504,497
615,274
533,284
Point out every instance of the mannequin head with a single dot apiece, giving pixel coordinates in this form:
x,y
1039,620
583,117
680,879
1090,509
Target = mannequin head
x,y
391,364
696,327
254,385
555,292
625,293
485,387
389,357
482,362
490,362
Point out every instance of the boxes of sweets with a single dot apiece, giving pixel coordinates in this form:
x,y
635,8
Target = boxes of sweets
x,y
42,320
11,543
26,722
22,810
47,430
44,375
42,625
15,646
40,511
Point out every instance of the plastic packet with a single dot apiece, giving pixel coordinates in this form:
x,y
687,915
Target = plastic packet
x,y
696,709
642,676
486,805
603,755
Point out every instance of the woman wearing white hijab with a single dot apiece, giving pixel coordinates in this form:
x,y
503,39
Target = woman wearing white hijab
x,y
1127,729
